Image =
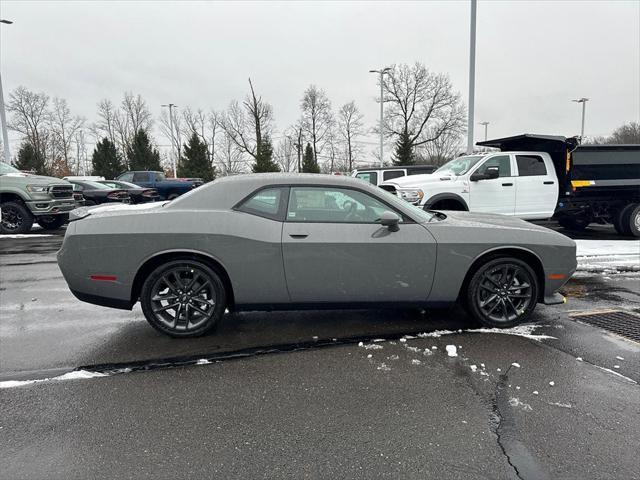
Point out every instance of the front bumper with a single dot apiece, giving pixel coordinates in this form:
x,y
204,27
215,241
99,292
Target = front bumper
x,y
554,299
51,207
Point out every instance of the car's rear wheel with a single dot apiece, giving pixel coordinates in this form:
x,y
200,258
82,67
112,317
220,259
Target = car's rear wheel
x,y
502,292
183,298
577,224
16,218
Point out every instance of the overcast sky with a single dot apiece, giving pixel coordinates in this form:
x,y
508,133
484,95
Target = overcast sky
x,y
532,57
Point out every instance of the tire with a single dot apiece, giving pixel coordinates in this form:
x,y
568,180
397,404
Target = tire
x,y
194,314
630,220
576,224
16,218
618,222
487,282
52,222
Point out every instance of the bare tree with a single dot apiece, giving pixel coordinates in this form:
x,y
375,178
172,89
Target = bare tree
x,y
64,127
350,126
247,124
317,118
105,126
286,152
442,149
422,106
175,137
30,117
229,156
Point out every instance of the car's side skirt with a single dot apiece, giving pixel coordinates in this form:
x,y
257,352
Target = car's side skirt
x,y
338,305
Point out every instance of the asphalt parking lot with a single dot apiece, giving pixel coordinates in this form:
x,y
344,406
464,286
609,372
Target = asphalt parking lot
x,y
337,394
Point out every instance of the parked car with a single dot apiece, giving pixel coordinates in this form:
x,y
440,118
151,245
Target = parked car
x,y
167,189
377,175
255,242
138,194
95,193
537,177
27,198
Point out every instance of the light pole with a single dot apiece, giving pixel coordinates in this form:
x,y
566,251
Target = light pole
x,y
382,71
472,76
485,129
583,101
171,107
3,115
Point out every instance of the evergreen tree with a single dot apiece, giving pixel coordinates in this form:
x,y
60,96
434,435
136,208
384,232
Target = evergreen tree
x,y
30,160
141,154
106,161
309,164
264,158
403,153
195,161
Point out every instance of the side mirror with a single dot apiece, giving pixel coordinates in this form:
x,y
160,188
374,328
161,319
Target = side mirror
x,y
489,174
390,220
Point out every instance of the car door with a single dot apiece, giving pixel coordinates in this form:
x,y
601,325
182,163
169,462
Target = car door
x,y
496,195
335,251
536,187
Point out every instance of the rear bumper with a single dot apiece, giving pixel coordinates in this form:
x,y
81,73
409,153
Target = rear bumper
x,y
102,301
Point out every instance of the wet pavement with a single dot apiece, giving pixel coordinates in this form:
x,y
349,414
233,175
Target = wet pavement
x,y
310,394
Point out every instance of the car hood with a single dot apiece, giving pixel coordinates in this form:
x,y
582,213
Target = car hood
x,y
417,181
495,220
29,179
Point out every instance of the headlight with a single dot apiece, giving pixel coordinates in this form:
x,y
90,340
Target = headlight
x,y
412,196
37,188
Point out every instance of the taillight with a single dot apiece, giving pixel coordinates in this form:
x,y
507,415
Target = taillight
x,y
149,193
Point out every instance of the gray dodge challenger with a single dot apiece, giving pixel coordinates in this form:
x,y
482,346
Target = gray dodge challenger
x,y
293,241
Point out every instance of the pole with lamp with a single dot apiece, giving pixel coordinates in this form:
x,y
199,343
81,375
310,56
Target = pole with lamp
x,y
173,162
382,71
3,115
485,129
583,101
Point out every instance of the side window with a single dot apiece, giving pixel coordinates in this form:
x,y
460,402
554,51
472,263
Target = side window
x,y
333,205
371,177
265,203
389,174
139,177
530,165
503,162
77,188
420,171
127,177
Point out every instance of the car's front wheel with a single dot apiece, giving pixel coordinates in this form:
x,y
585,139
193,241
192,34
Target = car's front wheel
x,y
16,218
183,298
502,292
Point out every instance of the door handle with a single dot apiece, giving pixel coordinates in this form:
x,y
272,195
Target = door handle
x,y
548,183
507,184
299,235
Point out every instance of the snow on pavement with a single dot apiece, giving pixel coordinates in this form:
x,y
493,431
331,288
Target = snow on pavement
x,y
75,375
609,256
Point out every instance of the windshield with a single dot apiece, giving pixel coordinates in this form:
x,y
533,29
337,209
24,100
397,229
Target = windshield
x,y
6,168
460,165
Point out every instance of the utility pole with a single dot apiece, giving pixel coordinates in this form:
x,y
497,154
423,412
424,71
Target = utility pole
x,y
3,115
382,71
472,76
174,159
583,101
485,129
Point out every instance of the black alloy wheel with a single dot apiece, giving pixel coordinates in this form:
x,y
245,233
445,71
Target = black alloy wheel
x,y
503,292
16,218
183,298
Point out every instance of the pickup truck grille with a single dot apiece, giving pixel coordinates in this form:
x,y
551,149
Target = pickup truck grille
x,y
61,191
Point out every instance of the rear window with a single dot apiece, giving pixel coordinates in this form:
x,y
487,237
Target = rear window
x,y
265,203
371,177
530,165
139,177
389,174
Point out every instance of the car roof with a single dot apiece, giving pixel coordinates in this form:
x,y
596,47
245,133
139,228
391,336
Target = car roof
x,y
397,167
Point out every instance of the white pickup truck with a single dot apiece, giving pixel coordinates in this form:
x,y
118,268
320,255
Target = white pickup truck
x,y
523,184
577,184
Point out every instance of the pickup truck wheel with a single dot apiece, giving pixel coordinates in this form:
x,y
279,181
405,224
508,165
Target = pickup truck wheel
x,y
620,220
631,219
573,223
16,218
51,222
503,292
183,298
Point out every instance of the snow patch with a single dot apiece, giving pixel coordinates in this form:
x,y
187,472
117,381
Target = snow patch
x,y
384,367
515,364
452,350
608,256
203,361
552,383
473,368
516,402
526,331
415,361
75,375
558,404
26,235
